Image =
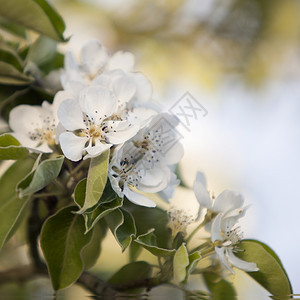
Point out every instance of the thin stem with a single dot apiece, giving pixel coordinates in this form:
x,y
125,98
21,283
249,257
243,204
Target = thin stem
x,y
76,169
201,247
44,195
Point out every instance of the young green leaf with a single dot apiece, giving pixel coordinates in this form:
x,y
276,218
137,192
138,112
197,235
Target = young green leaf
x,y
10,148
92,250
271,275
193,260
11,207
135,250
220,288
37,15
149,242
180,263
40,177
10,56
96,181
62,241
121,224
131,272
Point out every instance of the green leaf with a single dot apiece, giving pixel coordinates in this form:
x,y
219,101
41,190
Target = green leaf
x,y
92,250
193,260
40,177
271,275
37,15
220,288
41,51
13,28
180,263
96,181
147,218
11,207
135,250
10,148
131,272
149,242
10,75
11,57
121,224
62,241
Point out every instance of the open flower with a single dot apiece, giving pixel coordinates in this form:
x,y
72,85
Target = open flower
x,y
228,202
90,125
131,174
226,236
94,60
35,126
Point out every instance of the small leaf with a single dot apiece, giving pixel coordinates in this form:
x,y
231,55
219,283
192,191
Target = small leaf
x,y
131,272
121,224
96,180
62,241
9,56
220,288
10,75
180,263
149,242
11,207
135,250
92,250
194,258
271,275
37,15
44,174
10,148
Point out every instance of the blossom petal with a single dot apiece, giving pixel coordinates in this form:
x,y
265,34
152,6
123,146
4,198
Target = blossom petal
x,y
115,185
121,60
227,200
96,150
93,56
98,102
241,264
120,131
216,229
72,145
201,191
221,255
172,152
137,198
124,89
70,115
27,118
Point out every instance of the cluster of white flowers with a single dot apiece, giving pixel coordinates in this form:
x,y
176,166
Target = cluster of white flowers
x,y
105,105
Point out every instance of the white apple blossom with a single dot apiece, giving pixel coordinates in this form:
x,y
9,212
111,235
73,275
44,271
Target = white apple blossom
x,y
91,124
225,235
35,126
228,202
94,60
143,162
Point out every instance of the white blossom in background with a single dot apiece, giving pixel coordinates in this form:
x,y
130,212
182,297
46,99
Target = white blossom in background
x,y
91,126
229,203
226,236
35,126
142,164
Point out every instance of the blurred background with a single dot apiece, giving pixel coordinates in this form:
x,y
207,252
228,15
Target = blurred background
x,y
240,59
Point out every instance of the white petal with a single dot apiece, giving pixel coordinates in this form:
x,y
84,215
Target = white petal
x,y
137,198
143,87
93,56
96,150
59,130
241,264
74,88
72,145
216,229
201,191
27,118
221,255
121,60
70,115
120,131
227,200
58,99
115,185
153,179
172,152
124,89
98,102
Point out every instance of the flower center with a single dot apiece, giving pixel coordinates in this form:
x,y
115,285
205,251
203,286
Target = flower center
x,y
232,237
